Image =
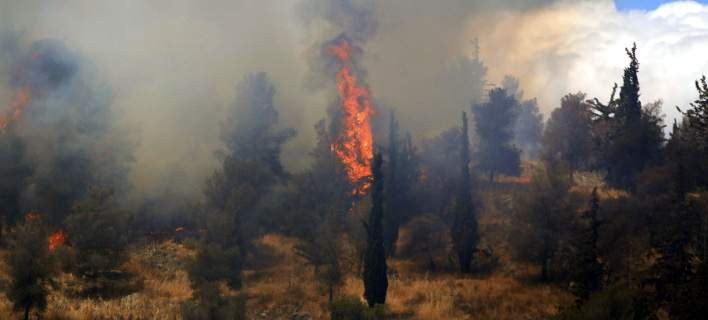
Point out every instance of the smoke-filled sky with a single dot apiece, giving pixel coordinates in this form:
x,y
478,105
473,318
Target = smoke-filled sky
x,y
172,66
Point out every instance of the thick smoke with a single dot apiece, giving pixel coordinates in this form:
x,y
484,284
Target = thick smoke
x,y
169,69
65,126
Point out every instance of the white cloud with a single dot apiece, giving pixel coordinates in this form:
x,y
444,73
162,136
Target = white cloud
x,y
579,46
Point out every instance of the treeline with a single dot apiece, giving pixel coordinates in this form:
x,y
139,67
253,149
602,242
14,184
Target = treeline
x,y
629,244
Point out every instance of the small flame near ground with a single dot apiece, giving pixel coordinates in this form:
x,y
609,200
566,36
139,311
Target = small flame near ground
x,y
31,215
354,146
179,229
56,239
14,112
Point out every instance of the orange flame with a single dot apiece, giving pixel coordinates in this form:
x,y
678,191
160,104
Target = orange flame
x,y
56,239
21,100
354,146
179,229
31,215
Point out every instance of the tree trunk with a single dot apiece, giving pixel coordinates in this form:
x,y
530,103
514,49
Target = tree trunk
x,y
28,306
545,257
491,176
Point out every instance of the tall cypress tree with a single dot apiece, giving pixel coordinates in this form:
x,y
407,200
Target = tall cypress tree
x,y
391,220
588,271
629,109
375,281
630,136
464,227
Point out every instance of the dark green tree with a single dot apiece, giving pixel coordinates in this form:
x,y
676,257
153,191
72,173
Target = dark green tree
x,y
542,214
98,232
587,272
495,121
464,227
375,269
14,174
234,209
568,134
251,129
401,178
30,266
629,136
692,137
392,219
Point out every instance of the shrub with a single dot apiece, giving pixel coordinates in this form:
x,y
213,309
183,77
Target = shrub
x,y
352,308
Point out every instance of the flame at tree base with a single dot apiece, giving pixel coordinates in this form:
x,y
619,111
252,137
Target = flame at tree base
x,y
354,145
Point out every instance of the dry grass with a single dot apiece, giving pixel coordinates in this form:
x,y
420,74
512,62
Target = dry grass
x,y
281,285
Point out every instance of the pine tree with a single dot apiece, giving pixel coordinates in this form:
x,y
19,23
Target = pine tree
x,y
568,135
464,227
30,266
495,121
375,281
98,231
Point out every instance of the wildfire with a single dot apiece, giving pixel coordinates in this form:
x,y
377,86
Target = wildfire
x,y
21,100
354,146
56,239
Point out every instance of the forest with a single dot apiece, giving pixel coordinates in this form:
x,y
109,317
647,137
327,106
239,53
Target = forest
x,y
595,208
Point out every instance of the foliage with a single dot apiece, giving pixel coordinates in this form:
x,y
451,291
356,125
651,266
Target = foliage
x,y
494,121
545,213
567,137
375,269
614,302
208,304
427,240
629,136
528,128
352,308
30,266
250,131
400,181
464,227
14,174
587,273
97,230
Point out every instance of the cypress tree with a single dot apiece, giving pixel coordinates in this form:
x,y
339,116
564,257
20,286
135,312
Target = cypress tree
x,y
588,271
391,220
375,281
629,109
464,227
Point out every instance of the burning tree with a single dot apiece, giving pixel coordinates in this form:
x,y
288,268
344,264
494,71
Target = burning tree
x,y
354,144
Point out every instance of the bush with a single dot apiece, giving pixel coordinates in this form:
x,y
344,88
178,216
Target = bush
x,y
208,304
352,308
614,302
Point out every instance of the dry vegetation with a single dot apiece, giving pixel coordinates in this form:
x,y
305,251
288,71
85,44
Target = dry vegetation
x,y
281,286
